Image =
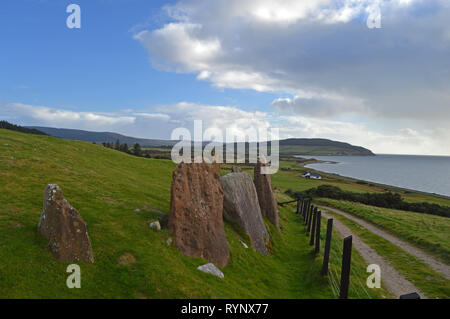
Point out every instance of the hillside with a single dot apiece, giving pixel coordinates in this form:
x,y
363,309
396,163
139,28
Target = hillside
x,y
293,146
100,137
18,128
318,146
106,187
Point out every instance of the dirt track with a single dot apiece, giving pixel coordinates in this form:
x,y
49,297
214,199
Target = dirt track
x,y
438,266
390,278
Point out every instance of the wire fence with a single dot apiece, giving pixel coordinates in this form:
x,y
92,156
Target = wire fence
x,y
342,275
345,280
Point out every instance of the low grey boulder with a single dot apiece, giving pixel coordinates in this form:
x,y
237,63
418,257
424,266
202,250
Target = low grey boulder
x,y
211,269
155,226
241,206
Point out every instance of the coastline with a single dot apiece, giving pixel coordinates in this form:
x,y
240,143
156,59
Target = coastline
x,y
369,182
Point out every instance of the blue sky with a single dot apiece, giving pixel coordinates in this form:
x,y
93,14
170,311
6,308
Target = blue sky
x,y
310,68
99,66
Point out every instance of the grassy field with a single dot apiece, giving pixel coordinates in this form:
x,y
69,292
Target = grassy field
x,y
106,187
432,233
432,284
292,180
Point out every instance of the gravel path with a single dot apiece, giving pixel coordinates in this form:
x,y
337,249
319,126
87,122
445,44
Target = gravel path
x,y
391,278
438,266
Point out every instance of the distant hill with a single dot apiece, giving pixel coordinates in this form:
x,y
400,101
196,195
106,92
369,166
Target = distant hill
x,y
320,146
292,146
18,128
100,137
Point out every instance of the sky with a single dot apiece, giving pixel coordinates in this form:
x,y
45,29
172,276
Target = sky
x,y
309,68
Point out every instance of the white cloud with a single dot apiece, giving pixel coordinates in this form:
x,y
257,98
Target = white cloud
x,y
400,141
155,124
221,118
160,123
52,116
320,106
181,44
295,46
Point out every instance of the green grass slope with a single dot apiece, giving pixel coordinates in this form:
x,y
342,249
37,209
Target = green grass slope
x,y
106,186
429,232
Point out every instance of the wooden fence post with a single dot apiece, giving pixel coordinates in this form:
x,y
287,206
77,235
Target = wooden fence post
x,y
319,217
326,254
302,207
307,212
298,207
313,228
307,215
311,213
413,295
345,272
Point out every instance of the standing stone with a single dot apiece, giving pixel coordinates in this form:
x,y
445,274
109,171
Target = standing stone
x,y
63,226
196,206
266,199
241,206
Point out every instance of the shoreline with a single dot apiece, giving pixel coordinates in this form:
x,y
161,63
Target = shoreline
x,y
311,161
381,185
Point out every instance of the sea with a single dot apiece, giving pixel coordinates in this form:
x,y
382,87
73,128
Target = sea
x,y
430,174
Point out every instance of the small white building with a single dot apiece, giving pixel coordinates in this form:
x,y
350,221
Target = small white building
x,y
311,175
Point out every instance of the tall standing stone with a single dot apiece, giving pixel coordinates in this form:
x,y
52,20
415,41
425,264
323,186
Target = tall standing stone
x,y
63,226
196,208
266,198
241,206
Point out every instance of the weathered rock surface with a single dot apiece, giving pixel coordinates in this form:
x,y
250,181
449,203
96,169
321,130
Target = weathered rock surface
x,y
196,207
241,206
63,226
211,269
155,226
266,199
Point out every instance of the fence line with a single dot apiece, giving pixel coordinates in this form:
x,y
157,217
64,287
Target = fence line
x,y
336,260
340,285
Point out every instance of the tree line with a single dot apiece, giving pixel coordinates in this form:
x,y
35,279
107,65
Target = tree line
x,y
8,126
385,200
136,150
